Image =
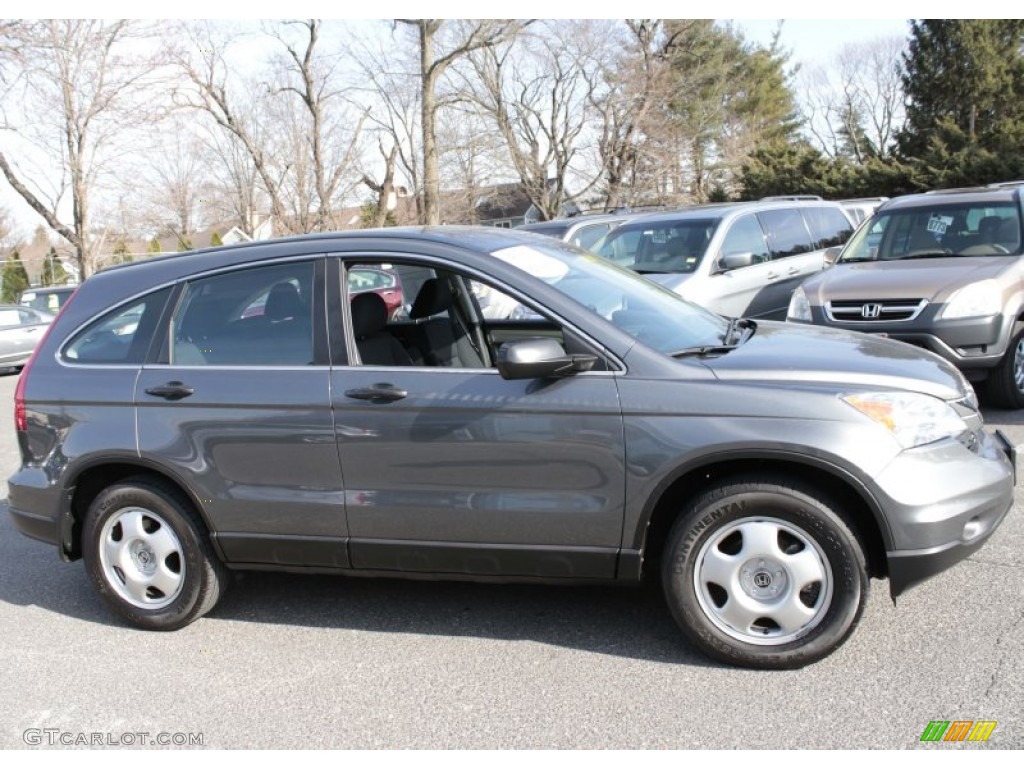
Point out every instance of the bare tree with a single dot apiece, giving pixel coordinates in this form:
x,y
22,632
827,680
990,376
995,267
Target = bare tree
x,y
294,122
856,107
77,85
628,88
436,56
535,91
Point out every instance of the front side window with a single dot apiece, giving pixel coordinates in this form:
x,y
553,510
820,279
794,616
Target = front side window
x,y
249,317
745,236
121,336
443,320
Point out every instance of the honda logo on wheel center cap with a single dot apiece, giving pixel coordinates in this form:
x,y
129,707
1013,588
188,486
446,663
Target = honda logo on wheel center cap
x,y
762,579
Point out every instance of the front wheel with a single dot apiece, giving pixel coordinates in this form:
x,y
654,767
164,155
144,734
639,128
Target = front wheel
x,y
764,573
149,555
1005,383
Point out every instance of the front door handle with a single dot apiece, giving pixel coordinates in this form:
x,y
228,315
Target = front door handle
x,y
771,276
378,393
172,390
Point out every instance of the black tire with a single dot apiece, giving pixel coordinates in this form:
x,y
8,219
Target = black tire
x,y
767,538
1002,388
149,555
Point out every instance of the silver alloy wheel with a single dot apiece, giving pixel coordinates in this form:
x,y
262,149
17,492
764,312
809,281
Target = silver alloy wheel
x,y
1018,366
764,581
142,558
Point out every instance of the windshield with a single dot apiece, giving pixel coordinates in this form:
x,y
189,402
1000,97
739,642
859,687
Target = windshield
x,y
651,314
661,247
965,229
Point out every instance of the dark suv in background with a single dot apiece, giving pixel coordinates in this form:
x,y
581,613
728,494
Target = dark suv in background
x,y
941,270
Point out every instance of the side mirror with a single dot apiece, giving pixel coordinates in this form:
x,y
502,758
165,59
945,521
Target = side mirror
x,y
541,358
832,254
733,261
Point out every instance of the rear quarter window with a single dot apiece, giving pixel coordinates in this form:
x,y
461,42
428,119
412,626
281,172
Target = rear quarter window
x,y
121,336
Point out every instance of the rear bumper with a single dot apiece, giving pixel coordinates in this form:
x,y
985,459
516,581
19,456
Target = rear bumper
x,y
35,526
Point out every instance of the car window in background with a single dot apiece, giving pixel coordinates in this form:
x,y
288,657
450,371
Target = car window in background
x,y
984,229
745,236
787,233
661,247
829,227
585,237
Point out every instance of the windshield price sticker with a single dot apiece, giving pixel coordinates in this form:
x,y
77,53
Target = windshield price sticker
x,y
939,224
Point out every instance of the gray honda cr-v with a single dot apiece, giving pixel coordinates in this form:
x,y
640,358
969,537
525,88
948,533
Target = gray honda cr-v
x,y
240,408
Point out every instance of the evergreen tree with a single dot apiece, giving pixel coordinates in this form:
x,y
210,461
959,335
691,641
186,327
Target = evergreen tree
x,y
14,279
215,239
53,271
154,245
184,243
121,253
964,83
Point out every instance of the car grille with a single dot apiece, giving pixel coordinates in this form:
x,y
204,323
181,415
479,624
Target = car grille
x,y
872,311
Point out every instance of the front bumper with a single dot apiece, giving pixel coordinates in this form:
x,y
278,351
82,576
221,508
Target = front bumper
x,y
970,343
931,537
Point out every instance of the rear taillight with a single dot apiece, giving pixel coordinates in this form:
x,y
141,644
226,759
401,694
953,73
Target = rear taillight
x,y
20,419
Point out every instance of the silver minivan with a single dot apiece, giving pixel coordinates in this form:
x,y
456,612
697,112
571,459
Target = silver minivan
x,y
736,259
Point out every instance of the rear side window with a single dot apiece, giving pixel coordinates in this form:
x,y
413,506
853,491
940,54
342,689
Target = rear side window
x,y
787,233
829,227
121,336
247,317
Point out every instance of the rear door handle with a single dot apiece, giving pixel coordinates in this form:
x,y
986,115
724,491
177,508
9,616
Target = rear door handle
x,y
378,393
172,390
772,276
793,270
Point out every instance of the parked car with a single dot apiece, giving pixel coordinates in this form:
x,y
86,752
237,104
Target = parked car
x,y
940,270
21,329
763,470
736,259
49,299
582,231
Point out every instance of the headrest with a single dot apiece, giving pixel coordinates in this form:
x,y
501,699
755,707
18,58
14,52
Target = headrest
x,y
283,302
369,315
434,297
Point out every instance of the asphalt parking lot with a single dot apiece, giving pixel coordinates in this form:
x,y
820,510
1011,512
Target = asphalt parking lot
x,y
290,661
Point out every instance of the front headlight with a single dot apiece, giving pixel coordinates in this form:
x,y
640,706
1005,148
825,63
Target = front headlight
x,y
799,307
912,418
979,299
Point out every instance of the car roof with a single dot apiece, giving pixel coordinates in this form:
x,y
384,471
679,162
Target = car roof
x,y
722,210
996,194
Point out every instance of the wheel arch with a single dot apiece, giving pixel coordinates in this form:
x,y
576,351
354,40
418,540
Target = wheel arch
x,y
857,504
91,478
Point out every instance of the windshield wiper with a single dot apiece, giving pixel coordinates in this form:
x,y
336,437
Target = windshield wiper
x,y
708,349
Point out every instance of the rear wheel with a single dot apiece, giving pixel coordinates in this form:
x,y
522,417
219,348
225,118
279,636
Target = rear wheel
x,y
764,573
149,555
1005,383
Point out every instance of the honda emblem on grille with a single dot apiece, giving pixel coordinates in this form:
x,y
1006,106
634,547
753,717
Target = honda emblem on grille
x,y
871,311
